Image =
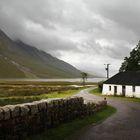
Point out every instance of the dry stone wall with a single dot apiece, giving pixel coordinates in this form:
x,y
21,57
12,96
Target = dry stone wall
x,y
19,121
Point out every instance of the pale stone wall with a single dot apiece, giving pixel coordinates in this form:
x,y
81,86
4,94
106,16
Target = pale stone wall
x,y
17,122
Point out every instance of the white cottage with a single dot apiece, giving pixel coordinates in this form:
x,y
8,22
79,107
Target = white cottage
x,y
123,84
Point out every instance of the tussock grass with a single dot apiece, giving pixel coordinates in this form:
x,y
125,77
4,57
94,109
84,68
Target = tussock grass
x,y
25,99
16,92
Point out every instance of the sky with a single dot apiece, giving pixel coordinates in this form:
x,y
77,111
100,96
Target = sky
x,y
84,33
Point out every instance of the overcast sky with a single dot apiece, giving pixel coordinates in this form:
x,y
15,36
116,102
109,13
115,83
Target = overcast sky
x,y
84,33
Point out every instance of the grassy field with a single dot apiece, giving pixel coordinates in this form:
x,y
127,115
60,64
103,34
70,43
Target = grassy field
x,y
53,83
16,92
131,99
65,130
25,99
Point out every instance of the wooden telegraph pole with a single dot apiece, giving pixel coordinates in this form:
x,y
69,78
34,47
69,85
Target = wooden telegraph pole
x,y
107,70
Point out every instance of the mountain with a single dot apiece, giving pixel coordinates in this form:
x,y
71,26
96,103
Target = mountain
x,y
19,60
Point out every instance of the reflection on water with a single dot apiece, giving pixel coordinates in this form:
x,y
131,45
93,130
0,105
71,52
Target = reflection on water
x,y
52,80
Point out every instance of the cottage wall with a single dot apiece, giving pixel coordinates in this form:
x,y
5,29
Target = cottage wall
x,y
129,90
106,90
137,93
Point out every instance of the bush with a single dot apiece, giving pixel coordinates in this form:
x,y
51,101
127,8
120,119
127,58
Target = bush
x,y
100,86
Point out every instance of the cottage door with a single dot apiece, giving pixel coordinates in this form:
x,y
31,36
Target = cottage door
x,y
123,90
115,90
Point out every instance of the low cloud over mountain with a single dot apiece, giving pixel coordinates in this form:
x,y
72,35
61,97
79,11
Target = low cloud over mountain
x,y
85,33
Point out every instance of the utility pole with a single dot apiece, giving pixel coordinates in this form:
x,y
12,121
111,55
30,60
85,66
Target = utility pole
x,y
107,69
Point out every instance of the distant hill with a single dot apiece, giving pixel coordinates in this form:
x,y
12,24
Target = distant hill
x,y
94,74
19,60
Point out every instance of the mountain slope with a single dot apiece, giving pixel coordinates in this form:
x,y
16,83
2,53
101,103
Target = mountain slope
x,y
19,60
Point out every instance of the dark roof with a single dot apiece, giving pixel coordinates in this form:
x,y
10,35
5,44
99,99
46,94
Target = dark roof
x,y
125,78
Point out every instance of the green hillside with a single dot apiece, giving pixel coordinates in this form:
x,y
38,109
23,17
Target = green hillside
x,y
19,60
8,70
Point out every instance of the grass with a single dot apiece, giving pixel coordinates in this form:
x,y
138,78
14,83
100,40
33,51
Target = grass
x,y
63,94
65,130
130,99
25,99
37,82
16,92
9,70
96,91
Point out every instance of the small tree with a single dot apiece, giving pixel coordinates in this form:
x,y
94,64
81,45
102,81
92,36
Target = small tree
x,y
84,77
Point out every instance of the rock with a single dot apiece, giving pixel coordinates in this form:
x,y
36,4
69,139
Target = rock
x,y
33,108
1,114
6,111
24,110
15,110
42,106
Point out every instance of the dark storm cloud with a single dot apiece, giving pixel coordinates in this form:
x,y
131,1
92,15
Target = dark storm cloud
x,y
97,30
30,23
124,13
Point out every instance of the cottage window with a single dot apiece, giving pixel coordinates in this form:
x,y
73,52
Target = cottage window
x,y
133,88
109,88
